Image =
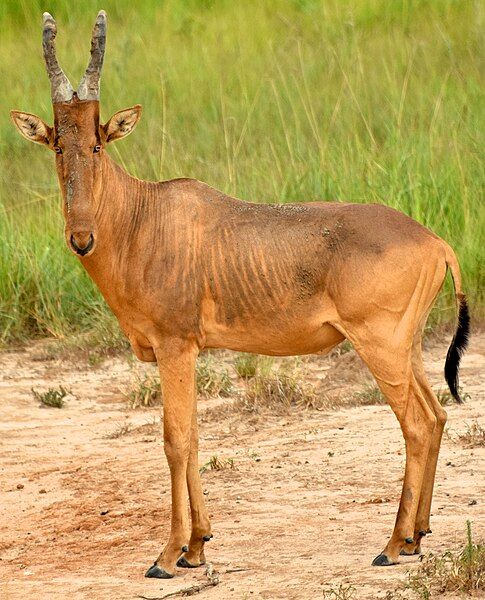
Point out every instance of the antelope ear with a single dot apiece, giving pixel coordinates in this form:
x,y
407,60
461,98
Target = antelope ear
x,y
33,128
121,123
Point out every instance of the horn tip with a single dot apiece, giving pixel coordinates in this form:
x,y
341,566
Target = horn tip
x,y
49,24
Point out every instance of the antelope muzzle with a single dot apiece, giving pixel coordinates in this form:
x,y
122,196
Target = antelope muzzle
x,y
82,242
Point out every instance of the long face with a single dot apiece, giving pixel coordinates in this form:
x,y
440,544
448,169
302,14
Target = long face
x,y
77,137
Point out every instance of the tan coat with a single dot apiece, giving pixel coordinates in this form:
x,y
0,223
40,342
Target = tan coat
x,y
185,267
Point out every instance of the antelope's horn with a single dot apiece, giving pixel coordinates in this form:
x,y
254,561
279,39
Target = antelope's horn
x,y
61,89
88,88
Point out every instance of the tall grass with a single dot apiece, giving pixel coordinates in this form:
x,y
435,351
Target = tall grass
x,y
270,100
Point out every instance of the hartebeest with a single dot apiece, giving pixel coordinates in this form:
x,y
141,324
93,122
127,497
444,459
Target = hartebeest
x,y
185,267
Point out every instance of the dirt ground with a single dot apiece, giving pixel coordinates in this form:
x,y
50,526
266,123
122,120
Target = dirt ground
x,y
310,501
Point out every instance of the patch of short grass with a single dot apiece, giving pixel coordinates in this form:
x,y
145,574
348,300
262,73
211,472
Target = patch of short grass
x,y
93,345
119,431
473,436
369,395
249,365
451,572
342,592
212,380
275,391
145,391
278,391
53,397
215,463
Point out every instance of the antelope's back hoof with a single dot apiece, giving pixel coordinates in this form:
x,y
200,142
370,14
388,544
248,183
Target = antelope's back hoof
x,y
184,563
157,573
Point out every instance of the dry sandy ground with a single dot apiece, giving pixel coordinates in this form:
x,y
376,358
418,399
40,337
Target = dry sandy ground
x,y
311,500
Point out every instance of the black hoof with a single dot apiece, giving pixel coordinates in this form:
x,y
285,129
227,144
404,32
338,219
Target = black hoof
x,y
381,561
157,572
184,563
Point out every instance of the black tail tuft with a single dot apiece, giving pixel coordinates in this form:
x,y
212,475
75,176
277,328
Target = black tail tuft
x,y
457,348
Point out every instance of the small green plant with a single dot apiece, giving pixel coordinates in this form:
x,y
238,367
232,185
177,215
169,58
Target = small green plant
x,y
473,436
249,365
369,395
211,381
217,464
120,431
343,592
451,572
52,397
145,391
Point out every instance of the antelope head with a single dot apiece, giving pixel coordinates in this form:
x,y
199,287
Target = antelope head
x,y
77,136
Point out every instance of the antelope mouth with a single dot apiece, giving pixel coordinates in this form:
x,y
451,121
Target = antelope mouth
x,y
82,250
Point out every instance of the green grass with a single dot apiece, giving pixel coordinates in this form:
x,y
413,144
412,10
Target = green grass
x,y
248,365
273,101
452,572
211,381
369,395
53,397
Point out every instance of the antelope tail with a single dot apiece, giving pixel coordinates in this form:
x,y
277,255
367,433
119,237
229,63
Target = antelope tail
x,y
462,333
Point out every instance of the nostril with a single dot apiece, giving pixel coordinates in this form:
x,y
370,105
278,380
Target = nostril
x,y
81,246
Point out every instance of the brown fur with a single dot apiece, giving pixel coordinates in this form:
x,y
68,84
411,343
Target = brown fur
x,y
185,267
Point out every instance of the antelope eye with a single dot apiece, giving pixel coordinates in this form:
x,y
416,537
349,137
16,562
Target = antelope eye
x,y
96,148
57,149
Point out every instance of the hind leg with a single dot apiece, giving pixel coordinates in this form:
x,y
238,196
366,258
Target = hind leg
x,y
201,530
424,508
417,423
390,361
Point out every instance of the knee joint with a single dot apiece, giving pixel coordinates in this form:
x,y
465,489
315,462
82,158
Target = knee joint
x,y
419,434
176,450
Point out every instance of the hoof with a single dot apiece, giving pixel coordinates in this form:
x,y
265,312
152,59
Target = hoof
x,y
157,572
184,563
382,561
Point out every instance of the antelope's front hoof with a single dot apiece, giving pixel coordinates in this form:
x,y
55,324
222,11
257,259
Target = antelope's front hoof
x,y
184,563
157,572
382,561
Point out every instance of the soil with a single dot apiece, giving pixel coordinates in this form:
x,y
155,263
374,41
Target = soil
x,y
308,500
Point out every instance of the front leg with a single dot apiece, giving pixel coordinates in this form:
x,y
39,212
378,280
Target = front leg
x,y
176,362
